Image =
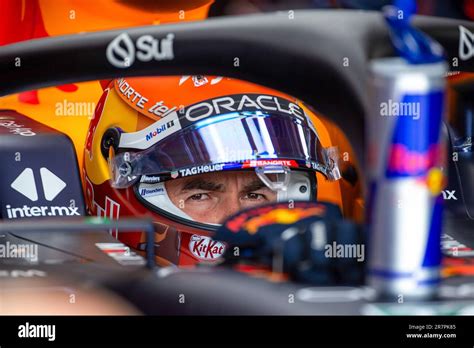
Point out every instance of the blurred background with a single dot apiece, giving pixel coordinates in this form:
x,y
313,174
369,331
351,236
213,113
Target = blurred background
x,y
462,9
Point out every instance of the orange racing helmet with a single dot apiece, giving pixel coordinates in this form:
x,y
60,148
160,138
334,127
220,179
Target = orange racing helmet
x,y
147,131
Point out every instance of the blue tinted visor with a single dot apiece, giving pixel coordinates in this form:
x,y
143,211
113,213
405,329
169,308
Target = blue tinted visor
x,y
231,141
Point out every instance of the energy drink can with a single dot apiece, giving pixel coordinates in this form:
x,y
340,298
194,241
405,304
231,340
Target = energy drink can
x,y
406,159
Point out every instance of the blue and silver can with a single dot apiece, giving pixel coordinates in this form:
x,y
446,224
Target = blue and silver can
x,y
406,160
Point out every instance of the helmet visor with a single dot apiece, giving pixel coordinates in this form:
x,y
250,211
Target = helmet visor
x,y
231,141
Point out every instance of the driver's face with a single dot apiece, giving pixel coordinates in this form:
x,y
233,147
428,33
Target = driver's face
x,y
210,198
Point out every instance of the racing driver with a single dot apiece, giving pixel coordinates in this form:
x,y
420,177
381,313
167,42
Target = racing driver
x,y
190,151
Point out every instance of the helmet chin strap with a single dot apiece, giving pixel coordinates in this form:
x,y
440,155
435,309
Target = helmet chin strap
x,y
297,187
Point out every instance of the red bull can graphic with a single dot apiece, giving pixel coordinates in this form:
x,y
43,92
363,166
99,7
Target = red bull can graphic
x,y
406,157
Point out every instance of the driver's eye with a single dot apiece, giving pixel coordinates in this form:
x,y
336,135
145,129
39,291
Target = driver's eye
x,y
254,196
199,197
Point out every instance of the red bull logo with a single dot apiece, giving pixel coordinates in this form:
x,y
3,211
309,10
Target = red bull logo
x,y
412,163
415,144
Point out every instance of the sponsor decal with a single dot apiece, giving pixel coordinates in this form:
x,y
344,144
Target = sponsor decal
x,y
154,179
38,211
130,93
121,253
199,80
161,110
317,166
200,170
123,51
205,248
402,160
159,130
262,163
412,155
150,179
466,43
149,192
52,186
25,184
158,109
449,195
150,135
17,129
242,102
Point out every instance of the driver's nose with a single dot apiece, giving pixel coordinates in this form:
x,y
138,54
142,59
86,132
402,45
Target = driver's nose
x,y
228,207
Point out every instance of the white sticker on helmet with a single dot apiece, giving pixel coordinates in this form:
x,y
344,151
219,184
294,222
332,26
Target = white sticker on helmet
x,y
150,192
150,135
161,200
